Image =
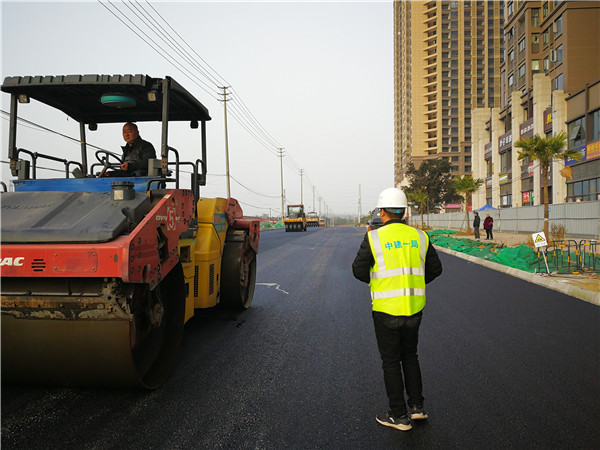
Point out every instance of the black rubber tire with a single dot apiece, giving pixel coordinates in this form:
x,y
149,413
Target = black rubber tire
x,y
233,295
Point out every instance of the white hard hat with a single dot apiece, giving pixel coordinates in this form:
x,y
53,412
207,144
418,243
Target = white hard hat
x,y
392,198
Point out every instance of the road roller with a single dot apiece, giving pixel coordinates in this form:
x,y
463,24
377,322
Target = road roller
x,y
101,270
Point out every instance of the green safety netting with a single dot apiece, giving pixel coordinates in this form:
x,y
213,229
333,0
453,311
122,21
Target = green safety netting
x,y
521,257
269,225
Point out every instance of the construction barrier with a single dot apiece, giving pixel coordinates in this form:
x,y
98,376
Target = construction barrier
x,y
590,255
570,256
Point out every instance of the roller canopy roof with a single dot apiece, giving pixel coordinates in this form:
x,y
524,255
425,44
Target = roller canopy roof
x,y
79,96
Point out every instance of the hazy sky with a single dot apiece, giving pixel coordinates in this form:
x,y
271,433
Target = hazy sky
x,y
317,76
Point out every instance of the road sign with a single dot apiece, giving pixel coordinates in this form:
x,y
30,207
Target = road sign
x,y
539,239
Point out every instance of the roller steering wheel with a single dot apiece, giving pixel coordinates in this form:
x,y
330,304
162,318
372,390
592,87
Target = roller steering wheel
x,y
104,156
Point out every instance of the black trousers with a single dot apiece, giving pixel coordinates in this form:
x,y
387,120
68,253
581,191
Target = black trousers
x,y
397,339
489,234
476,229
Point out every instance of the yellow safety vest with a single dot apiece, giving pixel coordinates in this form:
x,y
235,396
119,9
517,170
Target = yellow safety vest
x,y
398,275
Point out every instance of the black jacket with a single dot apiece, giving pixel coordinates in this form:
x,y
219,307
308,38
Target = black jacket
x,y
137,155
476,221
364,261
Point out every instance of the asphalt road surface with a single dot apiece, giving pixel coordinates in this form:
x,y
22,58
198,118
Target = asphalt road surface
x,y
506,364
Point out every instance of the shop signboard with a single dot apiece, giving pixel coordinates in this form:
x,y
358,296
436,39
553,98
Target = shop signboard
x,y
530,169
548,120
505,142
526,129
488,151
526,197
503,178
592,151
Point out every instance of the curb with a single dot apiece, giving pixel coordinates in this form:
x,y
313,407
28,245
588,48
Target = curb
x,y
574,291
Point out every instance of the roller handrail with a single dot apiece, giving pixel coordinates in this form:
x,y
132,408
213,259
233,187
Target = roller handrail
x,y
36,155
158,180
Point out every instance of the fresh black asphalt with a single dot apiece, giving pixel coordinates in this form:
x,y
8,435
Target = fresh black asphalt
x,y
506,364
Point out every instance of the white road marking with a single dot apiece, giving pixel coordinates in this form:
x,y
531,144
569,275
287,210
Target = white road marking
x,y
273,285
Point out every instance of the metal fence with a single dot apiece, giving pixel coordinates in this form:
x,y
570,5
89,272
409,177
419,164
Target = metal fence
x,y
570,256
578,219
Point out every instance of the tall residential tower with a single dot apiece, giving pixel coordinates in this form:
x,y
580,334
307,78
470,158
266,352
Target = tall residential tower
x,y
447,57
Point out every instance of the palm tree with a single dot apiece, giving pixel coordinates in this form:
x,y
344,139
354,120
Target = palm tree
x,y
419,196
546,150
467,185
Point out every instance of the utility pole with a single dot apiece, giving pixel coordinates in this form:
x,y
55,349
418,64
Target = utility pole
x,y
301,187
313,198
225,94
320,198
280,152
359,211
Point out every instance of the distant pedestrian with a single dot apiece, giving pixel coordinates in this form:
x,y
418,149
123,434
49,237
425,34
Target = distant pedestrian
x,y
488,225
476,221
397,261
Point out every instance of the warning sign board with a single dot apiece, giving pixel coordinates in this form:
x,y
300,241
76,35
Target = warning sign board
x,y
539,239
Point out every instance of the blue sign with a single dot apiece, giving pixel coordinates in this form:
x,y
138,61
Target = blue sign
x,y
582,151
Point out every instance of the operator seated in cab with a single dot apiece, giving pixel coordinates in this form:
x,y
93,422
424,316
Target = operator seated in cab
x,y
136,152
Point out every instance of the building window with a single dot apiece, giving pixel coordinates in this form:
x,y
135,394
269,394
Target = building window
x,y
535,65
546,36
522,45
535,38
595,126
506,201
545,9
453,5
522,71
581,191
546,64
506,161
510,34
559,54
510,9
511,55
535,17
511,80
576,133
557,83
558,26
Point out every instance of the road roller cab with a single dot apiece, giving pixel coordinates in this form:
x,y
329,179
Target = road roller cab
x,y
99,272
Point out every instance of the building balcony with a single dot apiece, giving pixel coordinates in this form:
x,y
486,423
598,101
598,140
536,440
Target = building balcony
x,y
431,139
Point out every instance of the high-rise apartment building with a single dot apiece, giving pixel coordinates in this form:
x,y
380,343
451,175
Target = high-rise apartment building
x,y
550,83
447,57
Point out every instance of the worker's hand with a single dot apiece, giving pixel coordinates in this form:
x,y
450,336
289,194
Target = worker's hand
x,y
124,165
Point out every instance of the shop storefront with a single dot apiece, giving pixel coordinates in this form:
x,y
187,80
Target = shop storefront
x,y
585,176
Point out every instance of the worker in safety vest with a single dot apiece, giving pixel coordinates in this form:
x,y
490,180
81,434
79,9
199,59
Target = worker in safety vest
x,y
397,261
